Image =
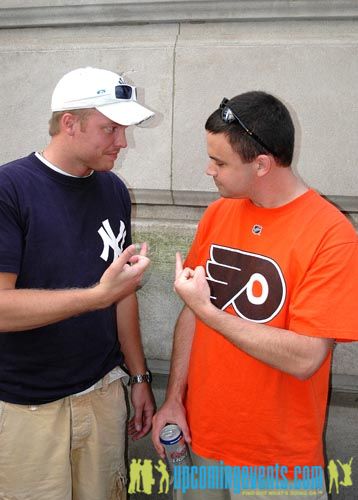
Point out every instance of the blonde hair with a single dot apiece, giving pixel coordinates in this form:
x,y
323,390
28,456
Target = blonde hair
x,y
54,121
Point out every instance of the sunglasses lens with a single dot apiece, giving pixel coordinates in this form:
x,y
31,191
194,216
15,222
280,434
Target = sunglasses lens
x,y
227,115
223,103
125,92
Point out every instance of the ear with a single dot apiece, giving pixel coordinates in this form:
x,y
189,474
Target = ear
x,y
263,165
68,123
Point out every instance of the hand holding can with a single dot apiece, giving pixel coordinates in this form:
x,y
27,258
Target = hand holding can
x,y
176,450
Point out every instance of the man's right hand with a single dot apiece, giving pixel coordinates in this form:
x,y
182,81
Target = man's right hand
x,y
172,412
124,275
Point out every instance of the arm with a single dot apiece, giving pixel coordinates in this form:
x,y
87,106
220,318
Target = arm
x,y
27,309
298,355
173,410
131,346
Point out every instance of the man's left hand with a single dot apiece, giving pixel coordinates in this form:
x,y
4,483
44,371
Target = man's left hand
x,y
192,286
144,408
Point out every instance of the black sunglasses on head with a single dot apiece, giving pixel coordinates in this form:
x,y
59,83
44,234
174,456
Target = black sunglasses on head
x,y
126,92
229,116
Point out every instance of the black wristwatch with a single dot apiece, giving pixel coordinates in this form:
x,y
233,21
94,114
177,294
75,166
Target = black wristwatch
x,y
139,379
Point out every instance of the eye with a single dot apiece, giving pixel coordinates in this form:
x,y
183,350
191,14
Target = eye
x,y
109,129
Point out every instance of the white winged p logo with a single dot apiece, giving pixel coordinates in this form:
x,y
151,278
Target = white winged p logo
x,y
252,284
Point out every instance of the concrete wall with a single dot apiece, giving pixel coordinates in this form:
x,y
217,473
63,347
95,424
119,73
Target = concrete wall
x,y
185,56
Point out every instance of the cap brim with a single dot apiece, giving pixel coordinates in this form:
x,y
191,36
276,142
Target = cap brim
x,y
126,112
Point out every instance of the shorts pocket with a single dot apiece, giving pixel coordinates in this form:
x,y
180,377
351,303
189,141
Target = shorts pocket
x,y
119,491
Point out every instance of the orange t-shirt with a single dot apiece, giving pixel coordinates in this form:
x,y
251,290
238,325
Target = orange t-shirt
x,y
294,267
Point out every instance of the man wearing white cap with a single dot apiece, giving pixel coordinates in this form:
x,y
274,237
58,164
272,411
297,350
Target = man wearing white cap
x,y
68,308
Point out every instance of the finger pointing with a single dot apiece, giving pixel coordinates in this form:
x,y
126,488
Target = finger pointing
x,y
144,249
178,265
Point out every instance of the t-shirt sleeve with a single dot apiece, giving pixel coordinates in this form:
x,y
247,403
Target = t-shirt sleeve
x,y
11,236
325,302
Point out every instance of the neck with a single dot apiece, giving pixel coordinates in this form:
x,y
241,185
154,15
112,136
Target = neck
x,y
279,187
57,154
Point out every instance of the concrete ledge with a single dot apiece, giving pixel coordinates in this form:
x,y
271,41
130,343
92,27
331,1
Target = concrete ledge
x,y
344,383
347,204
17,14
159,366
204,198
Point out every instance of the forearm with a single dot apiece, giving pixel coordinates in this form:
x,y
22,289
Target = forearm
x,y
129,334
298,355
183,338
25,309
131,345
173,409
28,309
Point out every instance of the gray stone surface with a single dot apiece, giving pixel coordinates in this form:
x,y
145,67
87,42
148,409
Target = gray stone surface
x,y
303,64
33,61
17,13
182,71
345,359
158,303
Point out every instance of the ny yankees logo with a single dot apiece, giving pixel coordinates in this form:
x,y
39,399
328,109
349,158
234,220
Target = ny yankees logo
x,y
252,284
110,240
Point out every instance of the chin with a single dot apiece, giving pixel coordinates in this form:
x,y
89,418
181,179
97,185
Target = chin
x,y
233,196
223,193
105,167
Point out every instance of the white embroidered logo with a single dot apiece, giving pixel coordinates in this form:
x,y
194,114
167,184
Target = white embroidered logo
x,y
110,240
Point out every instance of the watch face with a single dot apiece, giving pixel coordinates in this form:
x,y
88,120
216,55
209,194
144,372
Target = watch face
x,y
139,379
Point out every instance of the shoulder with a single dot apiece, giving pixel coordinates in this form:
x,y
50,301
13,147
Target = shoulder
x,y
16,167
328,219
13,175
112,179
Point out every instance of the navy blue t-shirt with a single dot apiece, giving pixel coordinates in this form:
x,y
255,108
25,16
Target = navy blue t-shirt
x,y
59,232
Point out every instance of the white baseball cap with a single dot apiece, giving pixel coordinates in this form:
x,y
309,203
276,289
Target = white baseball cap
x,y
100,89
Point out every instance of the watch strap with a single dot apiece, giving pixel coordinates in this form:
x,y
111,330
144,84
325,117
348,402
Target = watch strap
x,y
140,378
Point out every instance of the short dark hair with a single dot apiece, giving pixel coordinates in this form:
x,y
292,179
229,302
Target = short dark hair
x,y
267,117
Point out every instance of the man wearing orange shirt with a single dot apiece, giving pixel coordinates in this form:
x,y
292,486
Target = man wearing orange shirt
x,y
269,284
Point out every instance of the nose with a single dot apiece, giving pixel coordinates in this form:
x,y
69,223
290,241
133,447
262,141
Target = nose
x,y
210,169
120,139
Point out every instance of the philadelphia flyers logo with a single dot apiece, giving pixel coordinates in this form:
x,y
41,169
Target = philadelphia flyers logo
x,y
252,284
